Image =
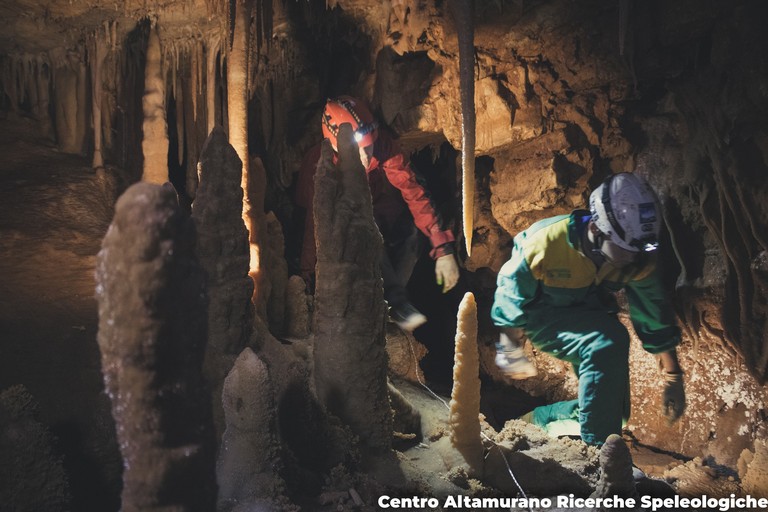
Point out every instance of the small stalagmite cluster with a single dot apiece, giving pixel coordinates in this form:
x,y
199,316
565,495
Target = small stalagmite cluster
x,y
149,278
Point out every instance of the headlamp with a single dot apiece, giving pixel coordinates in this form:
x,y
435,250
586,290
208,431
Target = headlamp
x,y
650,246
365,129
647,245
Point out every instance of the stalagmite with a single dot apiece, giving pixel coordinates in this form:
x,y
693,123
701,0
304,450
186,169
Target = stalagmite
x,y
249,459
273,258
753,469
222,249
297,316
97,51
154,144
615,470
465,397
350,356
152,329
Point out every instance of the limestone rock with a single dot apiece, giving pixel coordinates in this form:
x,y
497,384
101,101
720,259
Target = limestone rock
x,y
350,356
152,333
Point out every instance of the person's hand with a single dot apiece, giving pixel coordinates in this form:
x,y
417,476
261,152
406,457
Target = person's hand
x,y
673,396
446,272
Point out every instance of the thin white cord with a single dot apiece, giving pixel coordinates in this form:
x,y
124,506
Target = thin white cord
x,y
506,462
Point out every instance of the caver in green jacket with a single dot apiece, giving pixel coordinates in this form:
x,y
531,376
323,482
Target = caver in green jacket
x,y
566,306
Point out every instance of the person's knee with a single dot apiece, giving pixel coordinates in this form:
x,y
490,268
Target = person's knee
x,y
609,347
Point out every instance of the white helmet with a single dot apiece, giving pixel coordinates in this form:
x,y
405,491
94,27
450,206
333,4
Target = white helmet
x,y
625,208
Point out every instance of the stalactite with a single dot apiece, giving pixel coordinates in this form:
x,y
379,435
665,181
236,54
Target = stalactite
x,y
69,133
194,135
30,82
253,181
154,143
195,77
44,97
97,52
78,60
465,397
211,54
463,16
237,86
178,95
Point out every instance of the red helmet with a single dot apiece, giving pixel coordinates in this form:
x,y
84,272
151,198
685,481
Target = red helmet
x,y
346,109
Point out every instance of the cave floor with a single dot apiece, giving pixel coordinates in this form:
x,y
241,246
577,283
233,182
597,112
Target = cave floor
x,y
52,219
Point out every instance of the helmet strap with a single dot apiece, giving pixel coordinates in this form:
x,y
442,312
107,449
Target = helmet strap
x,y
595,237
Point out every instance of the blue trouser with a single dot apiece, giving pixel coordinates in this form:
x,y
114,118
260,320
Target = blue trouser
x,y
597,345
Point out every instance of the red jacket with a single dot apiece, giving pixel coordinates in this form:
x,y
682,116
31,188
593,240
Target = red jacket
x,y
391,181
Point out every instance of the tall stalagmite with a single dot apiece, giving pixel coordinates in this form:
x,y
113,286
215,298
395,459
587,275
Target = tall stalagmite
x,y
154,144
350,355
222,249
152,329
465,396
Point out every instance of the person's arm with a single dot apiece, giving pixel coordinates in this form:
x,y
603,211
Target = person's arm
x,y
652,315
654,323
399,173
516,288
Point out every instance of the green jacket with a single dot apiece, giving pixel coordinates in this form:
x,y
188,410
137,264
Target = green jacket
x,y
547,272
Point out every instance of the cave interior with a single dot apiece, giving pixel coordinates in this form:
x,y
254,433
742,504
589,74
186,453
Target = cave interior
x,y
213,378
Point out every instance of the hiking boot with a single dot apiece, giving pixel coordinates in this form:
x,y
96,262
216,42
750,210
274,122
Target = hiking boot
x,y
407,317
514,364
649,486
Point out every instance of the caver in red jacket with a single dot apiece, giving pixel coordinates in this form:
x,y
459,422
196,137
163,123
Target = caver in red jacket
x,y
394,189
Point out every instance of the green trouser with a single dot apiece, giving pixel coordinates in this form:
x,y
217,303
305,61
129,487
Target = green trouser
x,y
597,345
